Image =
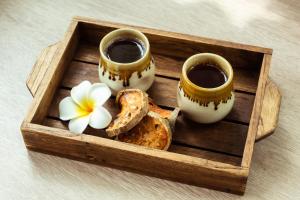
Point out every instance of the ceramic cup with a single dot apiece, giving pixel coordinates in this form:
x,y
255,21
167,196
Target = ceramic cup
x,y
205,105
118,76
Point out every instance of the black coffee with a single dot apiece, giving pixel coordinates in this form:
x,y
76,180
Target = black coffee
x,y
207,76
125,51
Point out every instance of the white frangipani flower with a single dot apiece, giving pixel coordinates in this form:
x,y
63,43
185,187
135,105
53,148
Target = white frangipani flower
x,y
85,107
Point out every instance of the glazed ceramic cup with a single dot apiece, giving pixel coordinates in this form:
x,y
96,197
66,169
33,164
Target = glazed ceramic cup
x,y
118,76
205,105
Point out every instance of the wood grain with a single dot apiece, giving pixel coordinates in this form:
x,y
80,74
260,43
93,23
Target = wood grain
x,y
139,159
225,137
255,116
270,110
29,26
109,153
176,148
40,68
91,26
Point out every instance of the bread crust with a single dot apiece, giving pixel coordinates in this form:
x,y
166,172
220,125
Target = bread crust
x,y
134,106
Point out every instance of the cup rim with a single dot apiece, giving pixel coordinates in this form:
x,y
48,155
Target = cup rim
x,y
120,31
226,64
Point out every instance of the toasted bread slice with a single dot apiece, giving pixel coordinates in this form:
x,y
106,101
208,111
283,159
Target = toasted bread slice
x,y
134,106
153,131
164,113
171,116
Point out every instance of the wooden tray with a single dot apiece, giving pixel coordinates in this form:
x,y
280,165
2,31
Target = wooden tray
x,y
216,156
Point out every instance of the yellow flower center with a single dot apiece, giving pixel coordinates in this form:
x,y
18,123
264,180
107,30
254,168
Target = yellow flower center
x,y
87,107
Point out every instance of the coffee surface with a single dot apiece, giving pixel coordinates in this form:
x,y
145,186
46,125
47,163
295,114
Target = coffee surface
x,y
125,51
207,76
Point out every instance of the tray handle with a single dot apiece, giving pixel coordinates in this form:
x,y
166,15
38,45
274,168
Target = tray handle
x,y
40,67
268,117
270,111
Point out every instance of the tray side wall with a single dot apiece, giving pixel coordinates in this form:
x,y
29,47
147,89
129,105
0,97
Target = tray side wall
x,y
128,157
255,116
166,43
95,24
44,94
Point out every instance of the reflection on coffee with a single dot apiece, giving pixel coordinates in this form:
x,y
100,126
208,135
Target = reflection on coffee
x,y
207,76
125,51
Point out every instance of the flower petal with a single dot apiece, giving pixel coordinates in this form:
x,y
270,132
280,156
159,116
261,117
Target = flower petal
x,y
100,118
79,124
68,109
79,93
99,93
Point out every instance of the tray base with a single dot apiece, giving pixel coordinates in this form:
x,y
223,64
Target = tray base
x,y
268,118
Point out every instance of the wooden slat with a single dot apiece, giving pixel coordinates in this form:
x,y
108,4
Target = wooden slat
x,y
224,136
245,79
57,123
79,71
196,152
209,155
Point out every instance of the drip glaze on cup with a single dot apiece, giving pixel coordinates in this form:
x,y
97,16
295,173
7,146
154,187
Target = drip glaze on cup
x,y
125,60
208,97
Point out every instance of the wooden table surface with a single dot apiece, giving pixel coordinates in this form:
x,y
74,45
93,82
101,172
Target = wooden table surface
x,y
26,27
